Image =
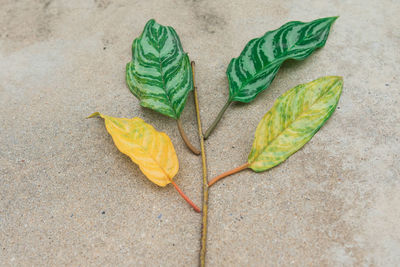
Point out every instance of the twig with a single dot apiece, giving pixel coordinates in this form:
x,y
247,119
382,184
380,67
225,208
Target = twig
x,y
203,249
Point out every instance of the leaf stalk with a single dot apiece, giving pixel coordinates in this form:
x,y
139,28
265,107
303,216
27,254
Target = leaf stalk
x,y
225,174
185,197
217,119
185,138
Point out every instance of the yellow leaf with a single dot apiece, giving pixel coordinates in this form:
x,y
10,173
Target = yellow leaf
x,y
153,151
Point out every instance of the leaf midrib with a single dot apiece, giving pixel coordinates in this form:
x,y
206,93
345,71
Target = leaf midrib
x,y
151,156
154,132
162,77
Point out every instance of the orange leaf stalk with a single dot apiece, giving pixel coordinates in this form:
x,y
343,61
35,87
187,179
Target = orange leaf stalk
x,y
185,197
225,174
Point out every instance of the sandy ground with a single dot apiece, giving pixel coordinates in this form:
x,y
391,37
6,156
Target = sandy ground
x,y
68,197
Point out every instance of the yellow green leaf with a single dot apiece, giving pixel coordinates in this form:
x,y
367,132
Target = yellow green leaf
x,y
293,120
153,151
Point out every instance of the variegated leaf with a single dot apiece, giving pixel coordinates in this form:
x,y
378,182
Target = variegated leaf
x,y
159,74
256,67
293,120
153,151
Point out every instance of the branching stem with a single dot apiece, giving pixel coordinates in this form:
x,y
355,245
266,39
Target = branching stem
x,y
203,240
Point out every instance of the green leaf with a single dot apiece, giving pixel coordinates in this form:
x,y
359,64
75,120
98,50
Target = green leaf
x,y
293,120
256,67
159,74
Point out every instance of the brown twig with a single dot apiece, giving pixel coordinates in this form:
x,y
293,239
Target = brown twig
x,y
203,249
185,138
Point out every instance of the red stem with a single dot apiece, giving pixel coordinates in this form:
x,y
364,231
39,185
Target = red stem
x,y
185,197
223,175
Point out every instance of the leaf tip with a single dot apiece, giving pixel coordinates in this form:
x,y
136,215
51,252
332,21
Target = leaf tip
x,y
332,77
332,19
95,114
338,78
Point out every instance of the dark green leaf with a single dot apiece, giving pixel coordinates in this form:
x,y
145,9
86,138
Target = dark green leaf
x,y
159,74
256,67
